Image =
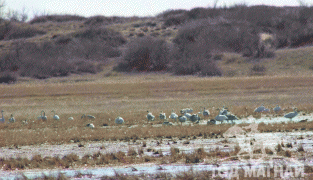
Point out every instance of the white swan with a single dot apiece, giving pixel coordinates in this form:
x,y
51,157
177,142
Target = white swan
x,y
55,117
277,109
231,117
90,125
195,118
162,116
224,111
12,119
119,120
205,112
70,118
2,120
150,116
88,116
291,114
182,119
42,116
167,123
260,109
173,116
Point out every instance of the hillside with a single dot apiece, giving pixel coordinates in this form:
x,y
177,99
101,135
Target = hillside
x,y
227,41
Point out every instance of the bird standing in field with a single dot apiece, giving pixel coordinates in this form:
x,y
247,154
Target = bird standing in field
x,y
291,114
70,118
2,120
182,119
42,116
55,117
173,116
90,126
277,109
150,116
260,109
119,120
162,116
88,116
205,113
224,111
12,119
195,118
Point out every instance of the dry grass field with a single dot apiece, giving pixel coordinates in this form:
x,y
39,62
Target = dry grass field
x,y
130,96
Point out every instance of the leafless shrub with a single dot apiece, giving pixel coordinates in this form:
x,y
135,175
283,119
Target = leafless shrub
x,y
8,77
258,69
145,54
19,30
56,18
111,37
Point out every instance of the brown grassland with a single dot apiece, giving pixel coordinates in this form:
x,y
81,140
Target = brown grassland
x,y
130,96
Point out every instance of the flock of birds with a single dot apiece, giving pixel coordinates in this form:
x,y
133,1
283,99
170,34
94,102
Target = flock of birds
x,y
185,115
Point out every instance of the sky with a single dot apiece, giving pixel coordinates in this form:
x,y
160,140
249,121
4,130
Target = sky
x,y
89,8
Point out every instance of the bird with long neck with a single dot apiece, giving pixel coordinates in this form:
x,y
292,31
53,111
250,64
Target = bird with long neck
x,y
12,119
56,117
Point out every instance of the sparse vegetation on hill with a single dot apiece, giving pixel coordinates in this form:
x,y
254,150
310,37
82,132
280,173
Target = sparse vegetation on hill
x,y
182,42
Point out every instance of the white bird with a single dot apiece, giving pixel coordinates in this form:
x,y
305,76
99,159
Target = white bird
x,y
162,116
224,111
260,109
119,120
42,116
88,116
277,109
150,116
55,117
167,123
187,115
173,116
189,110
231,117
212,121
291,114
205,112
194,118
182,119
266,110
70,118
12,119
220,117
2,120
90,125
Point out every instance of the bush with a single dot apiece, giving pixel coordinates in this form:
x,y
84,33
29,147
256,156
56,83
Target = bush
x,y
102,20
219,35
7,77
22,31
56,18
258,69
145,54
111,37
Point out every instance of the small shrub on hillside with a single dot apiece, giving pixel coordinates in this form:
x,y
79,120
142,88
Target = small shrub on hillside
x,y
5,27
175,20
258,69
21,30
110,36
171,12
145,54
7,77
56,18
